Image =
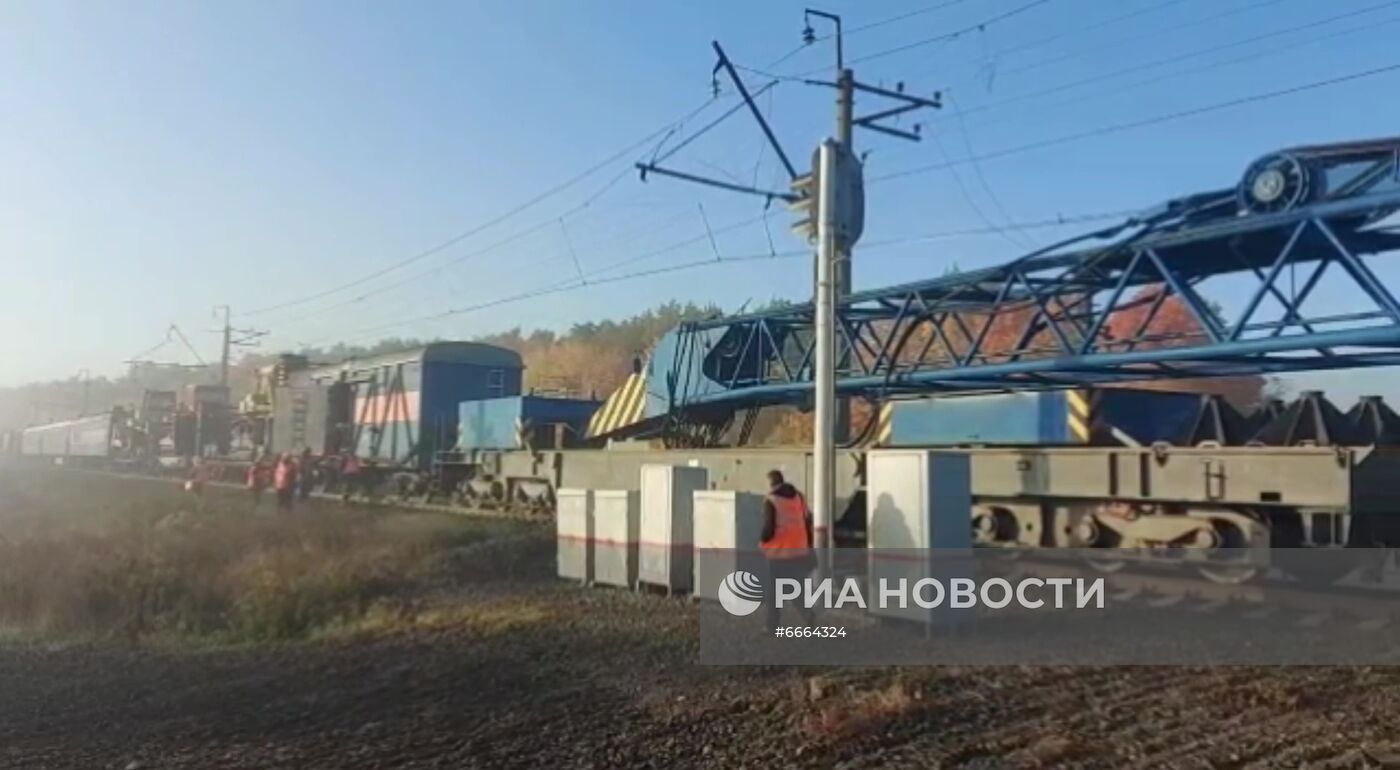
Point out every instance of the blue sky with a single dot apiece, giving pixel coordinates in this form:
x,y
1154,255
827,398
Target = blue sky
x,y
161,158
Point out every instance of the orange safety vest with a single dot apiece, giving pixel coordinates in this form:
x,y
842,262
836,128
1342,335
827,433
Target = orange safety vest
x,y
285,476
789,539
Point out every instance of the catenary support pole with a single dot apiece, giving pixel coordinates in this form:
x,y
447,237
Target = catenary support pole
x,y
841,272
228,344
824,428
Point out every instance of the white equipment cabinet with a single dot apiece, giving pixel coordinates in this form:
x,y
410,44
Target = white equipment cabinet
x,y
665,552
727,529
919,522
616,522
574,534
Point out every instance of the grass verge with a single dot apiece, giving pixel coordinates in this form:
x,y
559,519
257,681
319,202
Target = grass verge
x,y
92,557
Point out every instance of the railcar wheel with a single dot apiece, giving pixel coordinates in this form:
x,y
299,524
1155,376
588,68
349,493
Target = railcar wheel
x,y
1228,540
1084,533
1228,575
1106,565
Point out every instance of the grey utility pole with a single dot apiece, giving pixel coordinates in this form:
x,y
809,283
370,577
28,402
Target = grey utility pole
x,y
830,200
824,421
840,214
246,338
228,344
845,107
845,130
845,136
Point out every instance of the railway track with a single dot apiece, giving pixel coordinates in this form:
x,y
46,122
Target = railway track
x,y
1275,597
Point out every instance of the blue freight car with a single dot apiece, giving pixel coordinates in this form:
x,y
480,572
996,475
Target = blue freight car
x,y
1108,416
402,408
521,422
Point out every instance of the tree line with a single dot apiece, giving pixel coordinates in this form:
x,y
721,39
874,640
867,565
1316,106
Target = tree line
x,y
592,359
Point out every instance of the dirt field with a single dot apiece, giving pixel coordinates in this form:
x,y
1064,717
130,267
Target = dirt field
x,y
454,646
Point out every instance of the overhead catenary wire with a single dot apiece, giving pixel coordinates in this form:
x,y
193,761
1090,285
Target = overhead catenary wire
x,y
186,342
569,244
1038,224
856,30
970,200
542,225
516,237
974,158
658,157
1290,47
1123,126
1139,123
1173,59
532,263
378,290
593,279
1080,28
645,256
706,262
166,340
557,289
1023,241
489,223
981,25
1156,32
1097,94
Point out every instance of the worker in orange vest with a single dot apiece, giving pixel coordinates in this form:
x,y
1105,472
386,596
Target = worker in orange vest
x,y
351,476
258,477
284,481
786,540
197,480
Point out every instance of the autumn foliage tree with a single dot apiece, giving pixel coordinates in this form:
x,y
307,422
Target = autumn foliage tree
x,y
594,359
1173,325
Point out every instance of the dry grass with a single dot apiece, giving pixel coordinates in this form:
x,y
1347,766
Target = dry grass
x,y
475,618
97,557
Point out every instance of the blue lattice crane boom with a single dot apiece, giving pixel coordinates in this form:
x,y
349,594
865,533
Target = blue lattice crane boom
x,y
1309,211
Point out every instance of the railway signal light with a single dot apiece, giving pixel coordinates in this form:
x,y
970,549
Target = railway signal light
x,y
805,206
849,200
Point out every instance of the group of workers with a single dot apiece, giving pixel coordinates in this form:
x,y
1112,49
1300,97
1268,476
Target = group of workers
x,y
289,476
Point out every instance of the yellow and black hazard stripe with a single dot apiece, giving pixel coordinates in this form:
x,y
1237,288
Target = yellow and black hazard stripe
x,y
623,407
884,425
1080,414
878,434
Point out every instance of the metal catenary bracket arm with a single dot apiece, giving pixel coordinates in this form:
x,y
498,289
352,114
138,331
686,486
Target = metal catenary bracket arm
x,y
753,108
649,168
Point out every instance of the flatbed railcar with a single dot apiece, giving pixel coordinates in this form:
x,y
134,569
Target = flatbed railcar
x,y
1298,476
